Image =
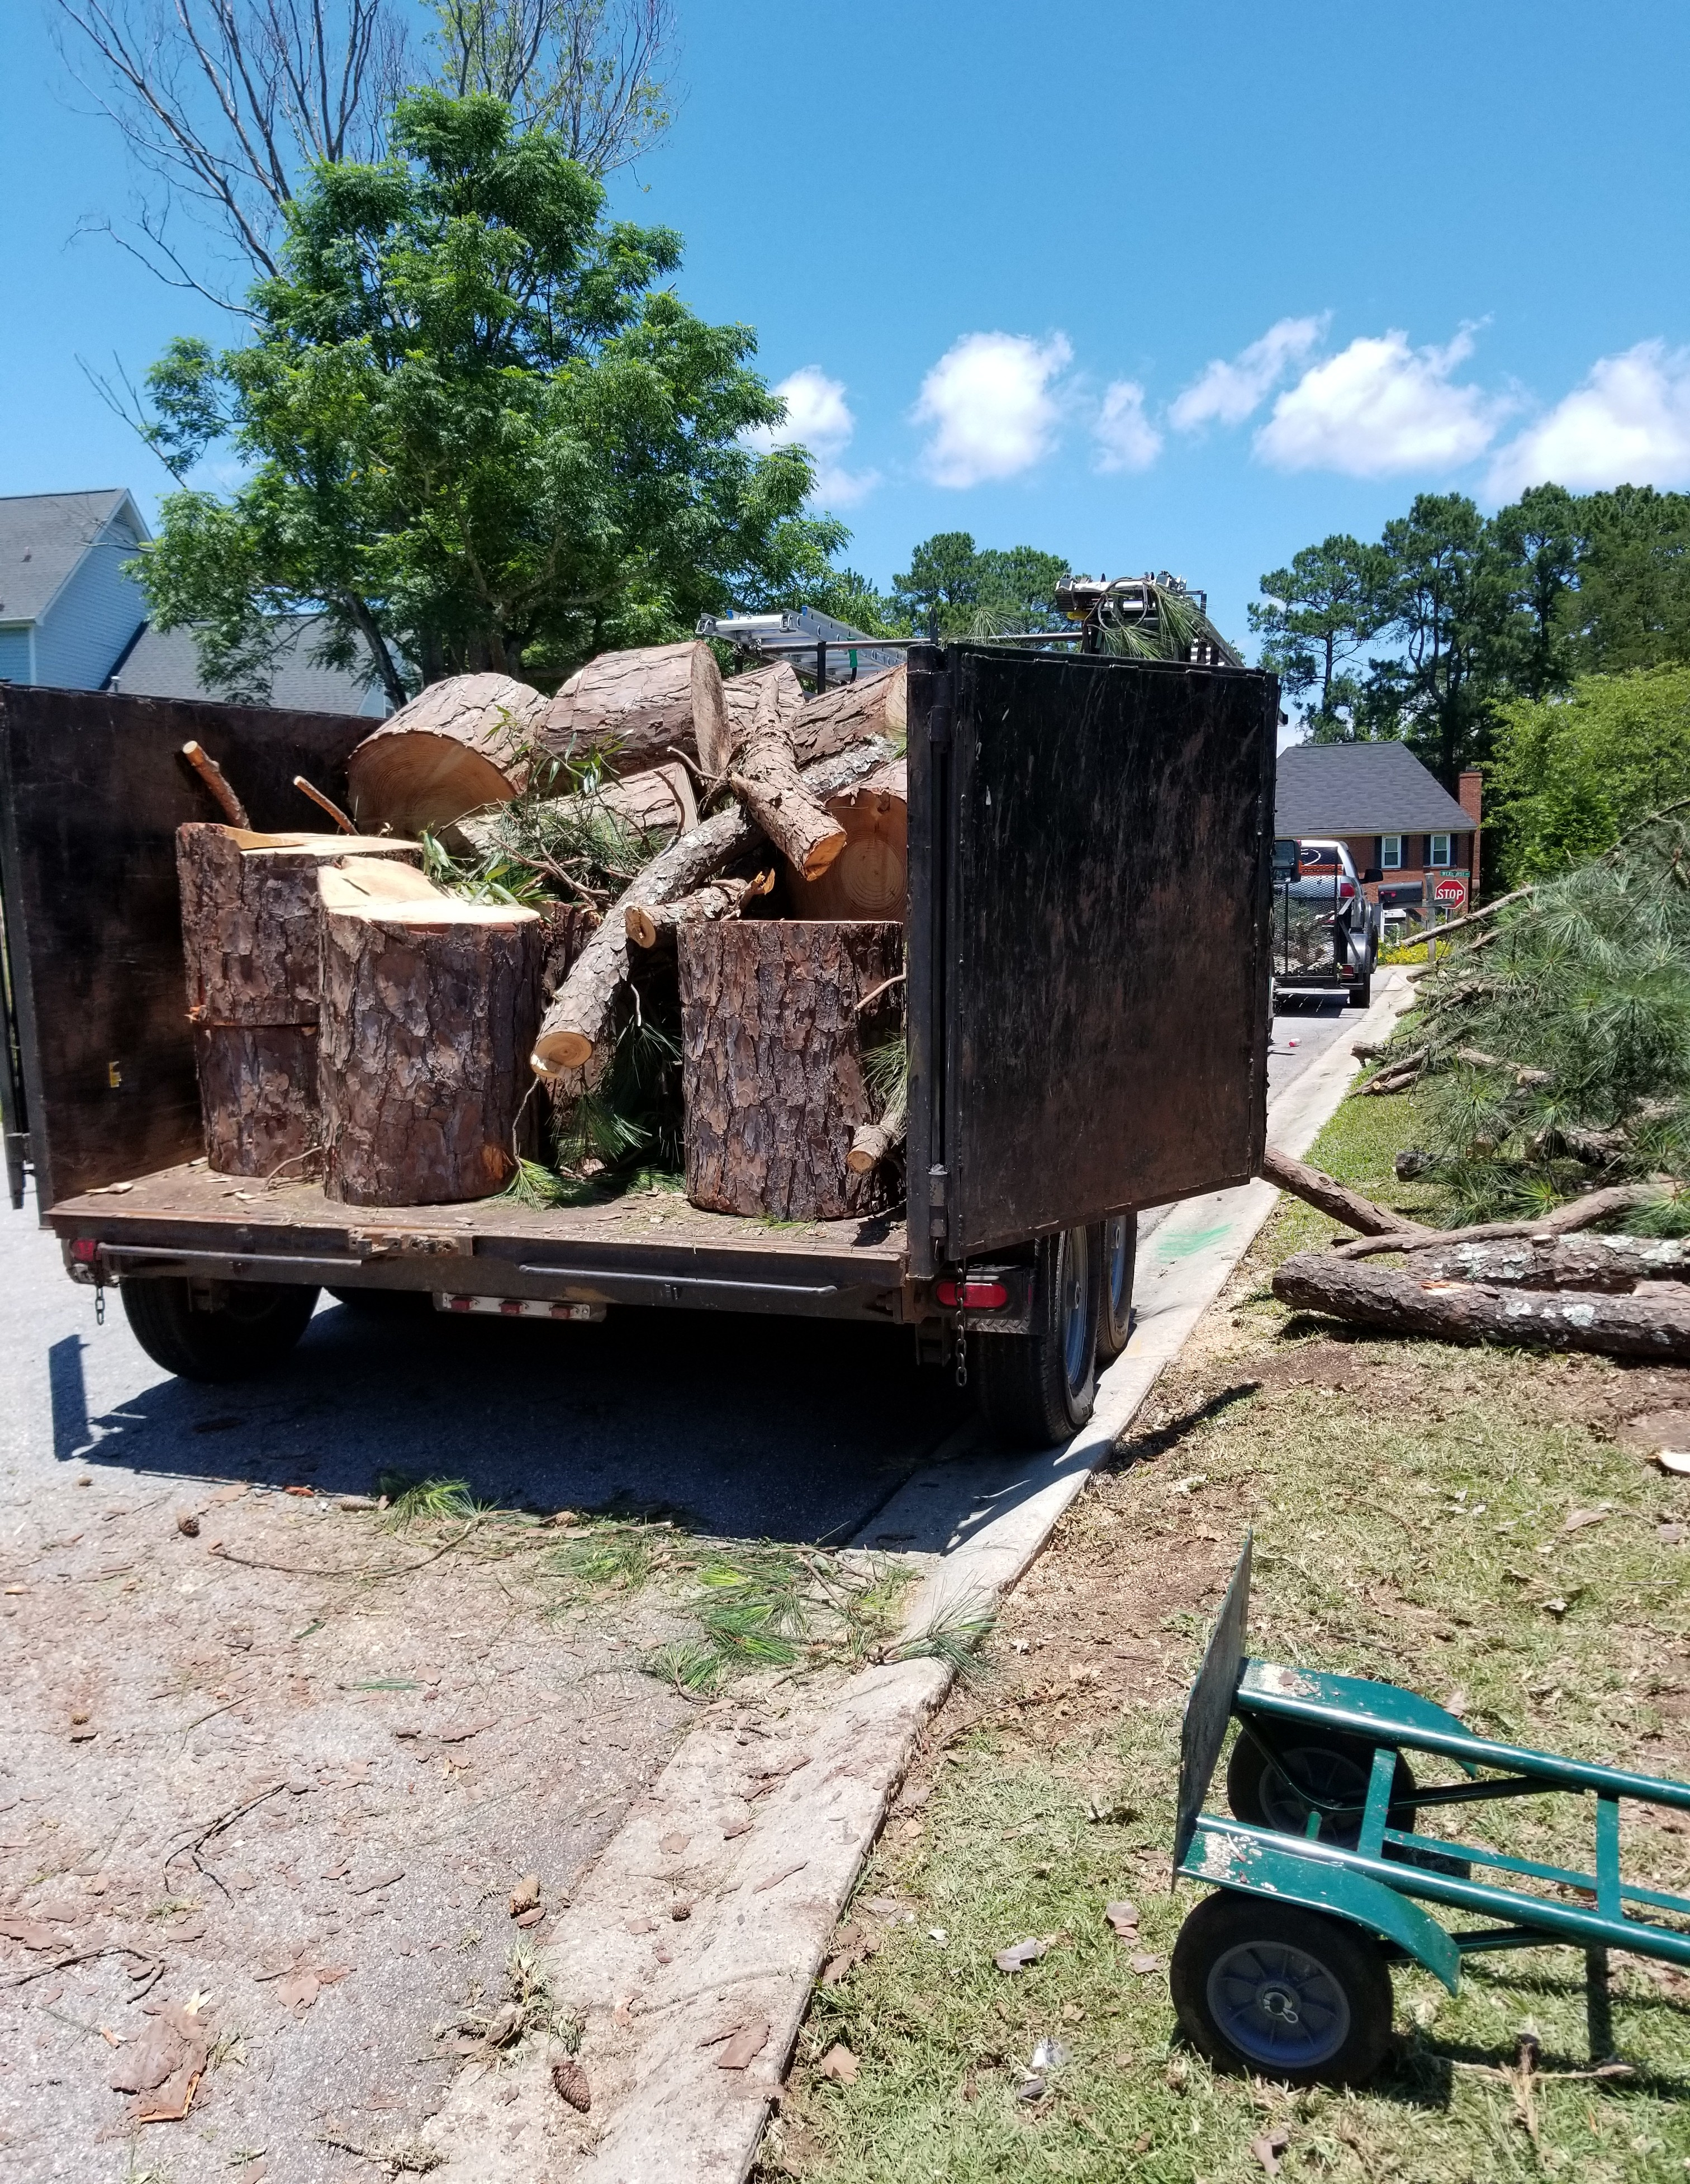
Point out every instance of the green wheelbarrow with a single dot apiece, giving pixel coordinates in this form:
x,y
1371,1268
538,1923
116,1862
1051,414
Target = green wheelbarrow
x,y
1322,1879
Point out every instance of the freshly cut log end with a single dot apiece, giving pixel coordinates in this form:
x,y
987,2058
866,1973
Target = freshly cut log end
x,y
430,1005
875,1142
764,777
871,876
250,917
772,1064
655,925
461,745
636,709
258,1098
836,718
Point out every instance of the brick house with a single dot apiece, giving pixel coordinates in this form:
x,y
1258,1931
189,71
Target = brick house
x,y
1402,828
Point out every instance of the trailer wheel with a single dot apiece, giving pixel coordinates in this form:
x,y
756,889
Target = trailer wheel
x,y
1116,1244
1268,1989
1036,1389
251,1326
1267,1791
1361,996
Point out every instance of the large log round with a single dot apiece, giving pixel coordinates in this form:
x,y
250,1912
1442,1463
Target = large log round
x,y
463,743
258,1096
772,1049
250,916
430,1006
869,877
636,709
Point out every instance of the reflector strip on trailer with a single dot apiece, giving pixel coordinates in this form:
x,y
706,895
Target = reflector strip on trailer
x,y
517,1307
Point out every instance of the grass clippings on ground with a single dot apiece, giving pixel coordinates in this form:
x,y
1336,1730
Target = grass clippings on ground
x,y
1410,1504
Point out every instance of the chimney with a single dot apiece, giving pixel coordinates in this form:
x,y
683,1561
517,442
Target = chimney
x,y
1471,795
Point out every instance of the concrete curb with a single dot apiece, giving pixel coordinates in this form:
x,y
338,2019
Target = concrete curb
x,y
763,1838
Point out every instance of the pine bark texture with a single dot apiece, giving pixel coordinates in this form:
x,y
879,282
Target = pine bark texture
x,y
258,1096
742,694
1332,1198
1652,1322
575,1039
772,1064
871,876
1557,1262
460,745
655,926
839,717
763,774
637,709
250,918
429,1008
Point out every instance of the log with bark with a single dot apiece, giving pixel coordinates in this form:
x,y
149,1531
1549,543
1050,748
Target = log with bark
x,y
871,1143
1562,1220
655,925
463,743
869,877
250,914
836,718
743,694
763,774
1579,1261
1332,1198
579,1031
772,1046
1653,1323
429,1005
634,709
257,1097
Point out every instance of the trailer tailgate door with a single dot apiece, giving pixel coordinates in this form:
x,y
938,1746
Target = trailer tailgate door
x,y
1090,874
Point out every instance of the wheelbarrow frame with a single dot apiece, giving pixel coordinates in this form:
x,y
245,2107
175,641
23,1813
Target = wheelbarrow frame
x,y
1385,1894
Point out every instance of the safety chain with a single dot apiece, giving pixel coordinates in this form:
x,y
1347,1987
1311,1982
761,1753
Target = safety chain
x,y
99,1304
962,1327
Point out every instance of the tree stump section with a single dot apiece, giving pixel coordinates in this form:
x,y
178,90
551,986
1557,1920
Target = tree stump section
x,y
636,709
772,1049
836,718
869,877
258,1096
250,918
430,1006
463,744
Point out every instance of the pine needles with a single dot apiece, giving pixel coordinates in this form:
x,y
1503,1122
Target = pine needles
x,y
634,1110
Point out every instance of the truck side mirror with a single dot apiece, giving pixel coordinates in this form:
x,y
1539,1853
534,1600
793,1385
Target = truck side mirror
x,y
1373,872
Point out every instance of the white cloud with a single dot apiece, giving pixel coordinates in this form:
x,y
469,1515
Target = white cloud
x,y
989,402
1225,394
818,418
1127,439
1378,406
1629,424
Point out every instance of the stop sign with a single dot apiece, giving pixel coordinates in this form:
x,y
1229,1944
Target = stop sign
x,y
1452,891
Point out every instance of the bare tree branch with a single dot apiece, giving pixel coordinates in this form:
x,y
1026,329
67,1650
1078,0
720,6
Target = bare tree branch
x,y
593,70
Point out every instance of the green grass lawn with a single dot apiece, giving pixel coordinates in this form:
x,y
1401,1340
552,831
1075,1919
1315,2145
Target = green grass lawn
x,y
1410,1503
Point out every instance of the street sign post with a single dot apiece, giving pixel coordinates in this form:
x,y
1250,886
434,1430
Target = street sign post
x,y
1451,893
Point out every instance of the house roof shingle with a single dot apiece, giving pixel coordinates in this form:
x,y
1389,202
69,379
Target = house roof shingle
x,y
164,664
1361,789
42,537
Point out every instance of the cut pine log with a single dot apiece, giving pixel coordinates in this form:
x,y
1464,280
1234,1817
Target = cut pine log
x,y
743,694
839,717
222,795
763,774
1563,1220
871,1143
251,915
257,1097
636,709
1556,1262
655,925
577,1037
428,1010
869,877
1332,1198
463,743
1652,1322
772,1050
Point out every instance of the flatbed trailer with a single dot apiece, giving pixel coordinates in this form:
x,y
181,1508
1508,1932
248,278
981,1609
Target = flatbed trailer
x,y
1081,1042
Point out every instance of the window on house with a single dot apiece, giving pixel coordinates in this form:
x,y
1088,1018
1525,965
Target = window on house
x,y
1437,849
1390,853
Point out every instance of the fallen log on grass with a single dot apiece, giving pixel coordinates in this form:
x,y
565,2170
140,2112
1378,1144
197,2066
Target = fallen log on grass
x,y
1577,1213
1555,1262
578,1033
1652,1323
1332,1198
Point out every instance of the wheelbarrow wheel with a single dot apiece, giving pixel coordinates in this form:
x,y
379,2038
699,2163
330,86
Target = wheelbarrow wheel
x,y
1268,1989
1278,1793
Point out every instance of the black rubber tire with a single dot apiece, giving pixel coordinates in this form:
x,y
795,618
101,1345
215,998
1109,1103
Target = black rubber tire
x,y
1037,1390
1264,1793
384,1304
1114,1284
1300,1958
254,1327
1361,996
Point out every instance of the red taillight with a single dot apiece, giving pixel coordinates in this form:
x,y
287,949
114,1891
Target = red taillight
x,y
973,1297
1346,889
85,1250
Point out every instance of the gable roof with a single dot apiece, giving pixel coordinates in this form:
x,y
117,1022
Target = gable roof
x,y
164,664
42,537
1362,788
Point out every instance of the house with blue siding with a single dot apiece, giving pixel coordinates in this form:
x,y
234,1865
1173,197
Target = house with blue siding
x,y
70,616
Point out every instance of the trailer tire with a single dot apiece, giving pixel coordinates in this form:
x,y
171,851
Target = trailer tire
x,y
1116,1244
253,1327
1361,996
1268,1989
1038,1389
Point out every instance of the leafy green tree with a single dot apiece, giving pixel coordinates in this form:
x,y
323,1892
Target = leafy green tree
x,y
974,592
1318,615
1538,536
474,432
1631,604
1569,773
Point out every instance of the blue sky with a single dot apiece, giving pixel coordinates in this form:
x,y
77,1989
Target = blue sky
x,y
1184,291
